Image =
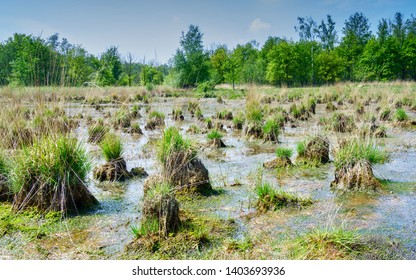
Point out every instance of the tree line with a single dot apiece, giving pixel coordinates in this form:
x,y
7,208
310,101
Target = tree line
x,y
320,56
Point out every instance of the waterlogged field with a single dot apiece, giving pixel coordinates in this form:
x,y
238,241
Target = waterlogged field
x,y
303,173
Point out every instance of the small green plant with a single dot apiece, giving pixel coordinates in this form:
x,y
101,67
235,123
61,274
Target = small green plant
x,y
301,148
157,115
50,175
271,130
401,115
238,121
171,143
112,147
357,150
282,152
272,199
214,135
327,244
97,132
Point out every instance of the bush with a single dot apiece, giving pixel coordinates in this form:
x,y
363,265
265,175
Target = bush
x,y
112,147
50,175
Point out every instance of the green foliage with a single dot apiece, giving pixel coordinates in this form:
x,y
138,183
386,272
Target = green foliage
x,y
205,87
271,130
50,161
283,152
172,142
272,199
401,115
214,134
191,62
300,148
97,132
358,149
111,147
327,244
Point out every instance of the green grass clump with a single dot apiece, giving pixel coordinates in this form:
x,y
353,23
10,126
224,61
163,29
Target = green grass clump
x,y
272,199
358,149
238,121
173,142
326,244
271,130
97,132
301,148
157,115
254,112
401,115
214,134
50,175
50,160
112,147
282,152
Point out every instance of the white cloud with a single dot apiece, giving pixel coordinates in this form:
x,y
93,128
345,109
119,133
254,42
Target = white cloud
x,y
258,25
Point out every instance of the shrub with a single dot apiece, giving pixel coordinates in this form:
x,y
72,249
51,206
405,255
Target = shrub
x,y
112,147
205,86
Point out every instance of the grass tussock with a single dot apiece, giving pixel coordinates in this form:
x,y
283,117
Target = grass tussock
x,y
111,147
326,244
270,199
50,175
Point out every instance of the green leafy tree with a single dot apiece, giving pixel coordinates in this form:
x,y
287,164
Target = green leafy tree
x,y
191,61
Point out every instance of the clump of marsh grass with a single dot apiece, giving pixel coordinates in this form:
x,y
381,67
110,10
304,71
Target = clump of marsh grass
x,y
401,115
160,211
339,122
177,115
50,175
326,244
180,166
270,199
282,159
271,130
115,168
215,138
97,131
353,165
5,192
111,147
254,115
156,119
313,151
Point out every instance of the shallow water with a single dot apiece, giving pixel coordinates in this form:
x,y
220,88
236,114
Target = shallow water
x,y
235,169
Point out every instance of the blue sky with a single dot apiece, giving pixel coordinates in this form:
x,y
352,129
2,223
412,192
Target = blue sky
x,y
152,28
